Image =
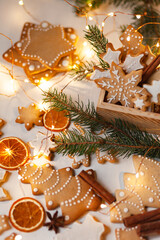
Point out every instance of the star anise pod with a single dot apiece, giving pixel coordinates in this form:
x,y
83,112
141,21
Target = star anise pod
x,y
55,222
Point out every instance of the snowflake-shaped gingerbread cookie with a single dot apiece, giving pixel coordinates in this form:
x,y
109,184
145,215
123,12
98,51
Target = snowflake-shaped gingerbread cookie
x,y
121,87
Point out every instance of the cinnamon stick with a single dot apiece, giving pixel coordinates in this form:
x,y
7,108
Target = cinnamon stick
x,y
146,217
150,69
148,229
101,191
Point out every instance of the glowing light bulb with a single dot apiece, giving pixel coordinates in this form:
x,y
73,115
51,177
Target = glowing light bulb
x,y
87,27
42,105
89,53
138,16
137,175
103,23
26,80
21,3
90,4
74,66
19,177
90,18
111,14
85,44
103,205
44,85
128,38
9,151
157,45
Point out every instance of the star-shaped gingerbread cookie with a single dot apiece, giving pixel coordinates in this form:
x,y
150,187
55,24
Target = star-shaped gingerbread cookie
x,y
141,102
111,54
45,43
30,116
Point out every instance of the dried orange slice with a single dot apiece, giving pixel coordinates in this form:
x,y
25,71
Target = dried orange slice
x,y
13,153
56,120
27,214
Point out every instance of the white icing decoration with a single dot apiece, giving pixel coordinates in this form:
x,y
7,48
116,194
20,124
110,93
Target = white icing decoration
x,y
121,194
65,63
73,36
100,74
125,210
31,68
80,231
139,103
153,89
151,200
132,63
112,56
50,203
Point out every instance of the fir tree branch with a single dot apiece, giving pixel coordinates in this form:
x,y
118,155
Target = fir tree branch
x,y
98,41
81,71
120,137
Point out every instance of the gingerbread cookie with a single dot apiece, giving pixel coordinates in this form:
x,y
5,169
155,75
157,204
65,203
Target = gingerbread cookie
x,y
2,122
4,223
61,188
127,234
141,102
133,63
149,55
30,116
42,145
111,55
121,87
4,194
13,236
78,160
99,73
131,40
102,158
80,231
39,44
154,90
141,190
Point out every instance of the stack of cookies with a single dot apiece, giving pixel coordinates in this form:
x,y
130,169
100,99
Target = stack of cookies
x,y
124,80
43,51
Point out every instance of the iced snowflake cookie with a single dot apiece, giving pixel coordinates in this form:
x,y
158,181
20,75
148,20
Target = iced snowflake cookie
x,y
127,234
89,229
121,87
141,190
4,224
141,102
61,188
30,116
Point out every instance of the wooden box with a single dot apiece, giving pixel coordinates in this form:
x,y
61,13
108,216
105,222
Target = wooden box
x,y
147,121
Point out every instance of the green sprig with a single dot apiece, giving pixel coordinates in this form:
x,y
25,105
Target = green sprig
x,y
120,138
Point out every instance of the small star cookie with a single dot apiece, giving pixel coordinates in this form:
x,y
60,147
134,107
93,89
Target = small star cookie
x,y
4,223
2,122
89,229
127,234
121,87
111,54
30,116
141,102
42,145
154,90
132,41
133,63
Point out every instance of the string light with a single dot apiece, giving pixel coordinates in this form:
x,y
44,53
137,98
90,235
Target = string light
x,y
111,14
21,3
157,45
90,4
138,16
26,80
87,27
90,18
137,175
85,44
103,205
103,23
128,38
